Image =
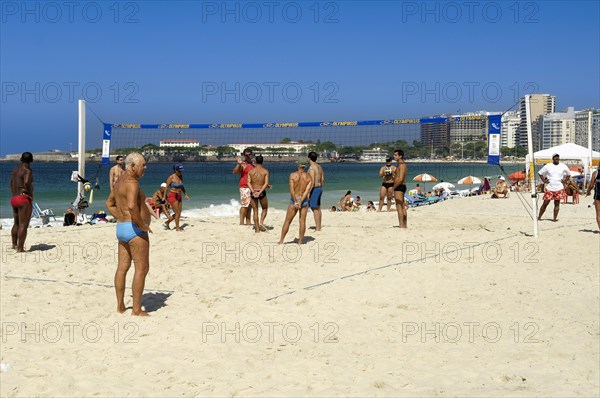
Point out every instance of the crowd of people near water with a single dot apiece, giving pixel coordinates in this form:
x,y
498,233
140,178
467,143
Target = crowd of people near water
x,y
128,204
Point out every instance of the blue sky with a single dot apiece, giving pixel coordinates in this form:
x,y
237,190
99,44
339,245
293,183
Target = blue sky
x,y
234,62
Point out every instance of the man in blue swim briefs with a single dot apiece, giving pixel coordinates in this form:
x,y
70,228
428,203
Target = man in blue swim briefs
x,y
126,203
318,181
300,186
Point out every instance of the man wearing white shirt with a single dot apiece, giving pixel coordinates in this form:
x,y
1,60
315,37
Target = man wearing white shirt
x,y
553,174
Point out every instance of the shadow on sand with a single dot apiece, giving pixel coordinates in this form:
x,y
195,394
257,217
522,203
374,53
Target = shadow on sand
x,y
154,301
41,247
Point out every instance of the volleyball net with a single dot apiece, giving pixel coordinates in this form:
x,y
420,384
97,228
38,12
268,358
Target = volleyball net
x,y
367,140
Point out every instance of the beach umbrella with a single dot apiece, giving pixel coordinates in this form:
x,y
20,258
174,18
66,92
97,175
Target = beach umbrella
x,y
425,178
446,186
517,176
469,180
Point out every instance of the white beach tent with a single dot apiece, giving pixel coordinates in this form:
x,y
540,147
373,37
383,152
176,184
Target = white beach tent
x,y
569,154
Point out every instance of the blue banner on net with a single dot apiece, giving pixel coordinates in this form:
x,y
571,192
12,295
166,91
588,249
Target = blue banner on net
x,y
106,143
494,123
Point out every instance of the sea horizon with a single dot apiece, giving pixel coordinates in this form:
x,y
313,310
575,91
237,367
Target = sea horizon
x,y
214,190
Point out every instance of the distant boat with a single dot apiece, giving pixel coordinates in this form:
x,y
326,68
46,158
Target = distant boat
x,y
375,155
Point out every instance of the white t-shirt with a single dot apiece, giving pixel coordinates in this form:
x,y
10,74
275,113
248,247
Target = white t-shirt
x,y
555,174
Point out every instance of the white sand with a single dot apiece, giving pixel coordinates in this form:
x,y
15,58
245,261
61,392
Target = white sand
x,y
371,331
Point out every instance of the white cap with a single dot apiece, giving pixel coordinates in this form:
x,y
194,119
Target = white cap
x,y
163,185
501,178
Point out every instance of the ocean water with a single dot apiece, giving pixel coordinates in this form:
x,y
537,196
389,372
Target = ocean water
x,y
213,188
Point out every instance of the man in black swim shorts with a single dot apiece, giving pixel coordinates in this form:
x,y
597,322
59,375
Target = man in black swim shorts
x,y
400,187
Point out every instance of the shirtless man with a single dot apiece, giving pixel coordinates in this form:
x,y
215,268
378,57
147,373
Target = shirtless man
x,y
116,171
258,182
388,173
400,187
317,177
501,188
21,188
300,186
157,204
126,204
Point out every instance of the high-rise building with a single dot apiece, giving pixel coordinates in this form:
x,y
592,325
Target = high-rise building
x,y
468,127
435,132
510,126
539,104
557,128
441,132
582,119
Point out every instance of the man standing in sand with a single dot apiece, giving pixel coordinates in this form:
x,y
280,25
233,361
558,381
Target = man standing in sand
x,y
242,168
116,171
388,173
126,203
21,188
553,174
400,187
258,182
317,177
300,186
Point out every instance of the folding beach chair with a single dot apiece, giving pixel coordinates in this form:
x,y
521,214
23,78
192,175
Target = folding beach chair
x,y
412,201
42,215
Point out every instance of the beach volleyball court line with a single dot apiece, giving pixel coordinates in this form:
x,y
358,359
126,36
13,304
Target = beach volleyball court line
x,y
30,279
310,287
401,263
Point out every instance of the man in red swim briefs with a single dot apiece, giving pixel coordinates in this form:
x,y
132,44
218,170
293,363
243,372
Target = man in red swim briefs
x,y
21,188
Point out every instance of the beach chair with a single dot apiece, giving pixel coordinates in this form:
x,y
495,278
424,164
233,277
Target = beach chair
x,y
42,215
412,201
575,197
429,200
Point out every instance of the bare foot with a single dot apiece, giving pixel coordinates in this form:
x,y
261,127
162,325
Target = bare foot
x,y
121,308
262,228
139,313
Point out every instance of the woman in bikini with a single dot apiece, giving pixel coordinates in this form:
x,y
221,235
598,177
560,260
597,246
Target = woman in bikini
x,y
387,173
173,193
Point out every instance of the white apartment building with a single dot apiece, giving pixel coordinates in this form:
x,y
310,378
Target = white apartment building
x,y
509,129
179,143
266,148
557,128
582,119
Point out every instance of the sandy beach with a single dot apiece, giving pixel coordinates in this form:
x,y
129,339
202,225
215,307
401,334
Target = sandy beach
x,y
464,303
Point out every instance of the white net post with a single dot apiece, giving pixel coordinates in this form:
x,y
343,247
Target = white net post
x,y
531,166
81,159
